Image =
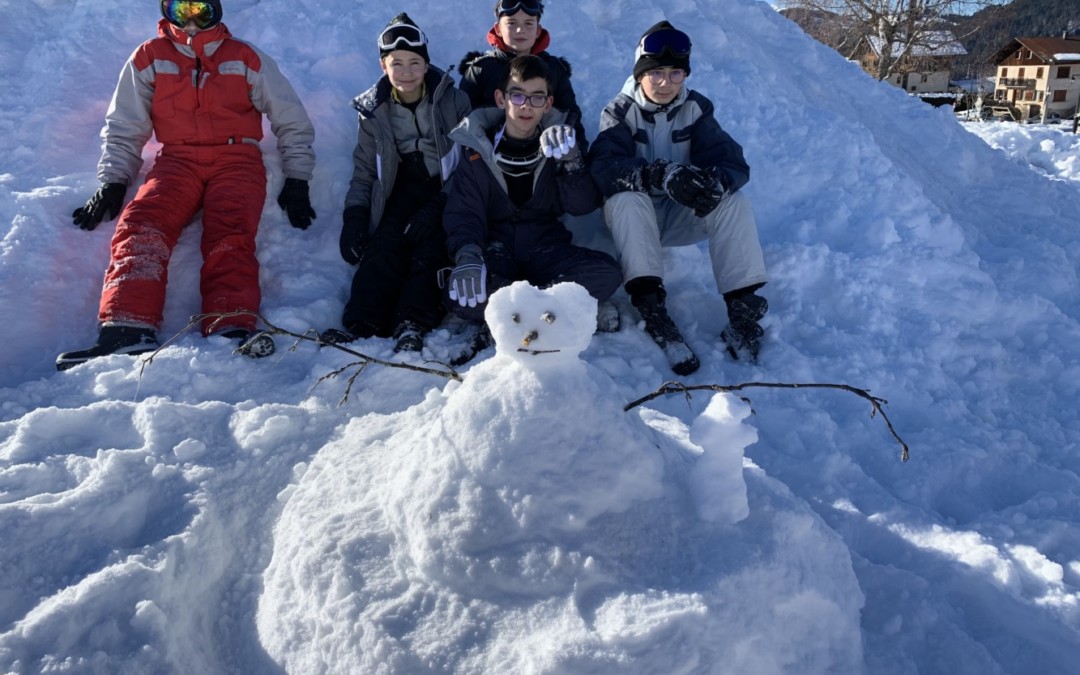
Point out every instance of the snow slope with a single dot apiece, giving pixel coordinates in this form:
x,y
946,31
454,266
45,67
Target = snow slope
x,y
212,514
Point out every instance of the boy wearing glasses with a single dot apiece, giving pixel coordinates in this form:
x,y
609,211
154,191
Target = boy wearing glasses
x,y
391,226
203,95
670,176
517,31
521,170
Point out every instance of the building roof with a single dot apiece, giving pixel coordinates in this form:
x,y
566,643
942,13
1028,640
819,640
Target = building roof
x,y
1047,49
933,43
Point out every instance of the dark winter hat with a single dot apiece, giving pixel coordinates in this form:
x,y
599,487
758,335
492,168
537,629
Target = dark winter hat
x,y
205,14
662,45
403,33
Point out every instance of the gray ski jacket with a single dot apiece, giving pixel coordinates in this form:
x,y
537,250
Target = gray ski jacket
x,y
375,158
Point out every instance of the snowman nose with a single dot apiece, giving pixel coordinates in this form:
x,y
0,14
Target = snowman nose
x,y
527,340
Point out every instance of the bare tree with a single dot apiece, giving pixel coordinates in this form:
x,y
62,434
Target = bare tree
x,y
903,32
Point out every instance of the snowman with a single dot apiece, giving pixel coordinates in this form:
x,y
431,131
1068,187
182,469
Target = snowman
x,y
521,521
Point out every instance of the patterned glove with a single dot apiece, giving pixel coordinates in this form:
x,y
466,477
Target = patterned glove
x,y
106,201
468,281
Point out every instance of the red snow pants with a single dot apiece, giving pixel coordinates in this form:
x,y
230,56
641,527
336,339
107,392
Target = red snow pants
x,y
229,183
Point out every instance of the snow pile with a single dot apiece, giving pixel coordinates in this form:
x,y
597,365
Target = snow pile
x,y
211,514
496,528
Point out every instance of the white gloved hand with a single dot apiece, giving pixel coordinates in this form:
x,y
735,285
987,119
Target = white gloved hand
x,y
558,142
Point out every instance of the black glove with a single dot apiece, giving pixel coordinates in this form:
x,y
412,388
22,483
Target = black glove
x,y
355,235
294,199
694,188
107,200
653,175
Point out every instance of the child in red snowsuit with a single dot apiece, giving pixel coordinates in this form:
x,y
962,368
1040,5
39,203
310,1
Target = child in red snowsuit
x,y
202,93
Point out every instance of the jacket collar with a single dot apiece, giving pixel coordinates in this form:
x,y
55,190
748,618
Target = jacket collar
x,y
632,88
435,82
543,41
199,42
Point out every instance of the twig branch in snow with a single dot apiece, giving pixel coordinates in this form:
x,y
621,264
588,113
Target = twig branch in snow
x,y
679,388
310,336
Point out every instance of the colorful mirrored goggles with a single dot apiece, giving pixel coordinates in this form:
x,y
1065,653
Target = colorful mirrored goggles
x,y
399,35
510,7
675,42
180,12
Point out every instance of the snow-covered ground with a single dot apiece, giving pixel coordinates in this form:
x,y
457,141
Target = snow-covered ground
x,y
212,514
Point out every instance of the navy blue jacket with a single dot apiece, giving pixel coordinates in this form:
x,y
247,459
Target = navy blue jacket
x,y
635,131
479,209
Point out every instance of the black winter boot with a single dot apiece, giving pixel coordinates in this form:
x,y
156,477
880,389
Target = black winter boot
x,y
476,338
254,344
744,333
112,340
664,332
408,337
336,336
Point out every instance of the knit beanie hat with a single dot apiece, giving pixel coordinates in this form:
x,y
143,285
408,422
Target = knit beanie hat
x,y
662,45
403,33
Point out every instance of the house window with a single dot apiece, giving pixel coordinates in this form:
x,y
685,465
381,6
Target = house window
x,y
1059,96
1062,72
1020,74
1038,73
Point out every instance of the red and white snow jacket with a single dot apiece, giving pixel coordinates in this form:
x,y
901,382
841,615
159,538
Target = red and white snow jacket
x,y
204,90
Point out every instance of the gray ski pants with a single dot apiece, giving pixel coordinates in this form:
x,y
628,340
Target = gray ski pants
x,y
642,225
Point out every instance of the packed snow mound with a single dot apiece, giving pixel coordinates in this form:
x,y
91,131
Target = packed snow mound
x,y
522,521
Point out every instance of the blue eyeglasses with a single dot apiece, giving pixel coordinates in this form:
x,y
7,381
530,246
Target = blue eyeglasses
x,y
519,98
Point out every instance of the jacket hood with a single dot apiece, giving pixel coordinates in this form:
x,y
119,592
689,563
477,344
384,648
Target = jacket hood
x,y
474,130
543,40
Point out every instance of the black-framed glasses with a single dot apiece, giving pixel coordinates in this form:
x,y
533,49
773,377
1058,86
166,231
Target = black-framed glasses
x,y
180,12
519,98
675,42
393,37
674,76
510,7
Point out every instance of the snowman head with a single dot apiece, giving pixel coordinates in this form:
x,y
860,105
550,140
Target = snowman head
x,y
532,325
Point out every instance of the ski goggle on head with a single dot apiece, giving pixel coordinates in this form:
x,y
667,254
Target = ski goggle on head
x,y
401,35
180,12
674,42
511,7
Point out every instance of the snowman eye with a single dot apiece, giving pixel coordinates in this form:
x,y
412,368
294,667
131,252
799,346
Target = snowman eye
x,y
548,317
516,317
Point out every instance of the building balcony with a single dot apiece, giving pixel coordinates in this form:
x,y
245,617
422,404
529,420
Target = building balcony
x,y
1016,83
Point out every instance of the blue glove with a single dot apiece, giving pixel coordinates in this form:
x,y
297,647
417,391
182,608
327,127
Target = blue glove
x,y
468,281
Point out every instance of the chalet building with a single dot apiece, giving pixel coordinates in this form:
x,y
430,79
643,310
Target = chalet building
x,y
1039,76
924,69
